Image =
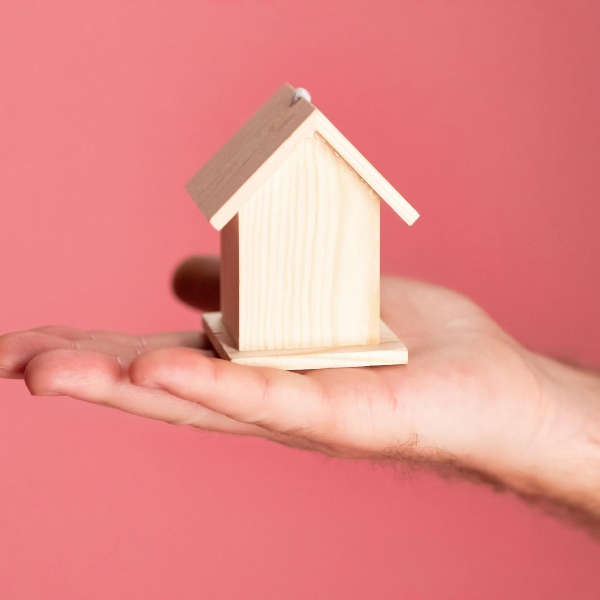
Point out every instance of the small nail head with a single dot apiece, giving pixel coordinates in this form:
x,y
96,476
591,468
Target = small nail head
x,y
300,93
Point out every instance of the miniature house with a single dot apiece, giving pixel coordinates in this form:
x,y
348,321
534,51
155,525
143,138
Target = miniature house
x,y
298,209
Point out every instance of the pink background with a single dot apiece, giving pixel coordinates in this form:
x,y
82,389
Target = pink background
x,y
485,115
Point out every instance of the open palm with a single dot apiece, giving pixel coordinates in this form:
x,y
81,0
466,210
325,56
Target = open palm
x,y
469,394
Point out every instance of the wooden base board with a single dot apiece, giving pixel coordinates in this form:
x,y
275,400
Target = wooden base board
x,y
390,351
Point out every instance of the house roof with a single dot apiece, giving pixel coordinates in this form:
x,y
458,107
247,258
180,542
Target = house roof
x,y
255,152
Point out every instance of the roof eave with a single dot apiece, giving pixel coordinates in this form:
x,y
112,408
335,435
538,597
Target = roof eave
x,y
230,208
326,129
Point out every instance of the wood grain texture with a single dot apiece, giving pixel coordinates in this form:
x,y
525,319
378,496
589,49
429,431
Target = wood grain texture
x,y
249,157
389,351
364,168
309,256
262,145
230,277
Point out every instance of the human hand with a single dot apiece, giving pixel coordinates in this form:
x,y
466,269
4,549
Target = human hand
x,y
471,399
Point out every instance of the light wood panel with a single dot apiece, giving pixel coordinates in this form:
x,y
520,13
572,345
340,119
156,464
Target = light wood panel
x,y
309,256
230,277
389,351
364,168
250,156
256,151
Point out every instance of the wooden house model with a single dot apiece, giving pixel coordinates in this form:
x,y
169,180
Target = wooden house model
x,y
298,210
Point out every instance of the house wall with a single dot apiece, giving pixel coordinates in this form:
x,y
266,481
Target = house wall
x,y
230,277
309,256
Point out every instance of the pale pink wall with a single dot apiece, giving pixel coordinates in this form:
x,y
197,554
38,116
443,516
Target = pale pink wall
x,y
484,114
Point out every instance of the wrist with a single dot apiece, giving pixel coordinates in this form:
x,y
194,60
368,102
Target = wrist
x,y
564,460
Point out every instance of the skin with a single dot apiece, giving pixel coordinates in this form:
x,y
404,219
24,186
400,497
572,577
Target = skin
x,y
471,401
